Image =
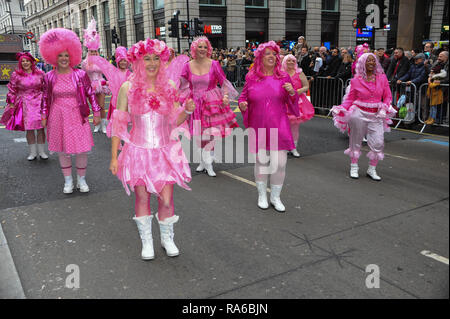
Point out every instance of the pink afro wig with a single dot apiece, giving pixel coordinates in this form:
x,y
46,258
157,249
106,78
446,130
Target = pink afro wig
x,y
120,54
361,66
58,40
194,46
149,46
257,71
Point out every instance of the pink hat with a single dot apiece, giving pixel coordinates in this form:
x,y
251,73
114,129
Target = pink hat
x,y
58,40
91,37
120,54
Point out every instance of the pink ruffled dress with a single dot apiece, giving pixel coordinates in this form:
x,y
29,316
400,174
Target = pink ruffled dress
x,y
95,75
152,154
27,90
305,108
215,118
67,131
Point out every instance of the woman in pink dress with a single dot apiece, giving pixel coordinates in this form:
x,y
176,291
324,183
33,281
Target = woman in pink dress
x,y
116,75
65,109
301,85
367,111
267,92
152,159
213,116
25,91
95,73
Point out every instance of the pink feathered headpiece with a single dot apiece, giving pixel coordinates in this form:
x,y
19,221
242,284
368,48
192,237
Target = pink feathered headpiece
x,y
149,46
120,54
58,40
91,36
196,42
257,71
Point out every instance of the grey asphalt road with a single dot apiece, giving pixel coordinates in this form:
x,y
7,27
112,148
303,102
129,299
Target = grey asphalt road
x,y
335,237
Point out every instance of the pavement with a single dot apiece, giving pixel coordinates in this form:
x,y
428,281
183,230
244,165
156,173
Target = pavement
x,y
339,238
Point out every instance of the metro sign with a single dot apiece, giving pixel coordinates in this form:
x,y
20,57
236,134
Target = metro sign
x,y
212,29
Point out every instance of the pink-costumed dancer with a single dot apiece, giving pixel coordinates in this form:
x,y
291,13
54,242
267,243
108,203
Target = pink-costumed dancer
x,y
116,76
301,85
65,109
367,111
267,92
25,94
213,116
152,159
99,85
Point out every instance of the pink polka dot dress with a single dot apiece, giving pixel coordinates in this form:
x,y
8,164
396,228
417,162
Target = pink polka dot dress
x,y
66,130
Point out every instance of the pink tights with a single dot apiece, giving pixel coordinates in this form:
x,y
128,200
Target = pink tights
x,y
273,164
66,164
165,202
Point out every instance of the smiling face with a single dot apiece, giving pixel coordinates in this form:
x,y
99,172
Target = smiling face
x,y
290,64
123,64
63,60
26,64
202,50
269,59
92,52
370,64
152,63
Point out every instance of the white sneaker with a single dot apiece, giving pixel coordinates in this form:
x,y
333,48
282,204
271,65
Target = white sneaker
x,y
81,184
33,152
68,185
96,128
354,171
372,173
104,124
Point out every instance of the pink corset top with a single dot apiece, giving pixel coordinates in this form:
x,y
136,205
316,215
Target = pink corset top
x,y
150,130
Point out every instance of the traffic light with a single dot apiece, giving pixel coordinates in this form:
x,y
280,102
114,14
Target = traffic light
x,y
185,29
173,27
198,26
361,15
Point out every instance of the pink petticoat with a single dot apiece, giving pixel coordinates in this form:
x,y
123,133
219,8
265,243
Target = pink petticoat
x,y
154,167
99,88
306,110
341,115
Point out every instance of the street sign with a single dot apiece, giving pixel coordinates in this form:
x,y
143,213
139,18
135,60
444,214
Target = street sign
x,y
29,35
355,23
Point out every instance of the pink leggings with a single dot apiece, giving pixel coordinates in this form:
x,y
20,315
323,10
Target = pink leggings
x,y
66,164
165,201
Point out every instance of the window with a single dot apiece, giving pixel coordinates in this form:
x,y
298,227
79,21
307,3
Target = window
x,y
158,4
212,3
121,7
138,7
105,12
94,13
330,5
84,18
295,4
256,3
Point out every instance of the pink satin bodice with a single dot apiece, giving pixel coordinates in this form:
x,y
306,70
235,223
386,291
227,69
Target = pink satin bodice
x,y
150,130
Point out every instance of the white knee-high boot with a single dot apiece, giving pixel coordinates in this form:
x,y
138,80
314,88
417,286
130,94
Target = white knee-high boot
x,y
275,200
41,151
167,235
144,225
33,152
262,195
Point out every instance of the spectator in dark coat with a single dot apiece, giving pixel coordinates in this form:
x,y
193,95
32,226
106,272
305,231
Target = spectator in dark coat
x,y
345,70
417,73
399,65
305,61
333,65
383,59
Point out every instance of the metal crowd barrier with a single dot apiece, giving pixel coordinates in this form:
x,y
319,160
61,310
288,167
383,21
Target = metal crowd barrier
x,y
410,101
326,92
424,106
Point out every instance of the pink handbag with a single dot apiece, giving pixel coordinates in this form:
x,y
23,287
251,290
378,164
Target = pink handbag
x,y
12,118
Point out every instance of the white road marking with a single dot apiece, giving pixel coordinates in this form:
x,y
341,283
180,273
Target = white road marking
x,y
428,253
20,140
241,179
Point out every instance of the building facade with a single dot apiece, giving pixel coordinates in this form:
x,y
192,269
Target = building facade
x,y
12,17
227,23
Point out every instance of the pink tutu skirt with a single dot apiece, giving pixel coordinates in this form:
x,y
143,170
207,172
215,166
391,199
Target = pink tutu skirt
x,y
153,167
100,88
306,110
217,119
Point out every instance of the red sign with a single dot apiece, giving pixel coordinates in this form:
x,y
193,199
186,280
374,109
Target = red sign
x,y
354,23
158,32
29,35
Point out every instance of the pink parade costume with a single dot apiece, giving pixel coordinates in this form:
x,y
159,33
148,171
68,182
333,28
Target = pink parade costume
x,y
26,90
366,111
96,76
306,109
115,77
65,106
152,154
217,119
267,101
